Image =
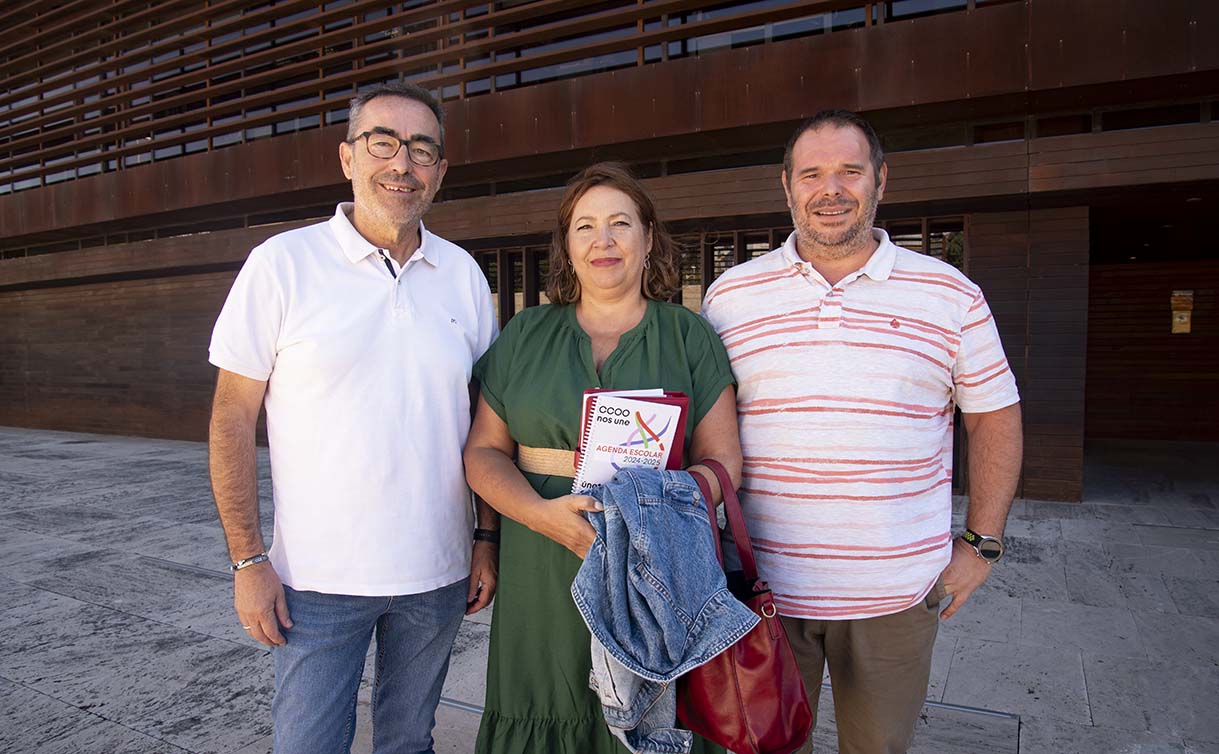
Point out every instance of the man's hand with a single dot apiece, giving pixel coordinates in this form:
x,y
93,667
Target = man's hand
x,y
259,598
484,573
965,573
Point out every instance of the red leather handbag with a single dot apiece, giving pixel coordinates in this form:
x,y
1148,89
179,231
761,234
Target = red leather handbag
x,y
750,698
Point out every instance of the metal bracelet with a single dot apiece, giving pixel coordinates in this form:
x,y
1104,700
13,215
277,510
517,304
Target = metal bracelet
x,y
247,562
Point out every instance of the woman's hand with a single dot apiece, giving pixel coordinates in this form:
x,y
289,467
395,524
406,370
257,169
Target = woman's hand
x,y
562,519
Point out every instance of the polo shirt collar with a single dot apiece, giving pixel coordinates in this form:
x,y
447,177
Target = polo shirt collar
x,y
880,264
356,247
878,267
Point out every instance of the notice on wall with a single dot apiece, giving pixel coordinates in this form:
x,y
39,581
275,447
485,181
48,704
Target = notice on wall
x,y
1182,311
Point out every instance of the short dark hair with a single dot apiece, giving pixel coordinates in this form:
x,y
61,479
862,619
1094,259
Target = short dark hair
x,y
838,119
661,277
394,89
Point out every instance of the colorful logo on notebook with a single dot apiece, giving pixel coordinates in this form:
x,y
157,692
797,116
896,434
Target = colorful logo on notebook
x,y
644,436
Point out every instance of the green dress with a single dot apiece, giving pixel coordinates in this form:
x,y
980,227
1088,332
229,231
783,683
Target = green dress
x,y
538,700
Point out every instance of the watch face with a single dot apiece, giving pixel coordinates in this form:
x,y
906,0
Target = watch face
x,y
990,549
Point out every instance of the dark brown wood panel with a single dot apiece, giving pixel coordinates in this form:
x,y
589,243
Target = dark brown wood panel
x,y
1033,268
1122,158
1144,382
110,357
1057,343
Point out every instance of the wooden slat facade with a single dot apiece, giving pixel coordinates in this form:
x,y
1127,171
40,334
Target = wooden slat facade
x,y
1144,382
103,333
1033,268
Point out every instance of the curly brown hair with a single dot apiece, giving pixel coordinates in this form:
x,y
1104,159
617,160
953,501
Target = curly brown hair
x,y
661,278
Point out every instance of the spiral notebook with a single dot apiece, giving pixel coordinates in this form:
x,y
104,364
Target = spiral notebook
x,y
629,428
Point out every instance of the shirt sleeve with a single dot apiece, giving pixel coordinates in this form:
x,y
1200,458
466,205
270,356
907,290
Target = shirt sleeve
x,y
488,328
245,338
709,367
493,371
982,379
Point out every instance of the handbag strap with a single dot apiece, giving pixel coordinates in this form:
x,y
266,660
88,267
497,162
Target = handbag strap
x,y
736,519
705,488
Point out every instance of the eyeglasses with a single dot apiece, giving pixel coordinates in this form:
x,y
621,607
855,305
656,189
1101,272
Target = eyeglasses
x,y
385,146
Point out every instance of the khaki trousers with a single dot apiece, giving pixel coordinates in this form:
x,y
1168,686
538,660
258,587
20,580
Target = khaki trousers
x,y
879,668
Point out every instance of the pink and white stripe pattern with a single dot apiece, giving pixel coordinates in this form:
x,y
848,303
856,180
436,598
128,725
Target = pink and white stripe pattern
x,y
845,396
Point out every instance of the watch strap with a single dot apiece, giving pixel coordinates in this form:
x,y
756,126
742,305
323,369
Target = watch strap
x,y
975,540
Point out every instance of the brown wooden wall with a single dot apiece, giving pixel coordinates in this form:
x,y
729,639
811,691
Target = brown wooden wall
x,y
1004,60
1143,381
1033,267
130,355
127,356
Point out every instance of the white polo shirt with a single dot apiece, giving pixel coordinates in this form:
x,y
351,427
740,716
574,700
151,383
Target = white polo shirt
x,y
845,399
367,403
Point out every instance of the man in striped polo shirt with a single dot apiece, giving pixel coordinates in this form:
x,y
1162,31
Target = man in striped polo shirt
x,y
850,354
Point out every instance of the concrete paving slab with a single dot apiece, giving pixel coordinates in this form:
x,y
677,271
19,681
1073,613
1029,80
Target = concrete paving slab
x,y
147,587
1133,514
1144,695
81,523
1143,514
1185,638
1044,579
21,551
35,722
1209,561
147,676
1044,736
1092,532
1155,560
1146,592
1090,579
1179,536
1195,517
1194,596
164,502
152,672
1019,679
212,614
1116,696
1050,530
198,545
991,614
1103,630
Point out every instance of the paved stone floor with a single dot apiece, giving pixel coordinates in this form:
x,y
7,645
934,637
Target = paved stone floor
x,y
1099,632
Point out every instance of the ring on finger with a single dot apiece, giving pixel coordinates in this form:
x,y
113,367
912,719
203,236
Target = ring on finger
x,y
247,627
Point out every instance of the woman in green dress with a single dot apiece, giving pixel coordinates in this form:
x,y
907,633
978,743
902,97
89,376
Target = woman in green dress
x,y
612,269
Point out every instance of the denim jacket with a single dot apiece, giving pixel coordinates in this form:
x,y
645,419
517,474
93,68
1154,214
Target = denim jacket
x,y
656,602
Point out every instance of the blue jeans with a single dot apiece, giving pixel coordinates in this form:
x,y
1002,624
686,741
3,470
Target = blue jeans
x,y
318,670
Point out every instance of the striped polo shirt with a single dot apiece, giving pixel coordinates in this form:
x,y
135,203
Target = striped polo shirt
x,y
846,397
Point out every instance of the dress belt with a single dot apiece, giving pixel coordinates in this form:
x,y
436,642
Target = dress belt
x,y
551,461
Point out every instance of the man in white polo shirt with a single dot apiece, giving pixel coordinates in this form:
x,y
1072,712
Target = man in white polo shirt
x,y
850,354
359,334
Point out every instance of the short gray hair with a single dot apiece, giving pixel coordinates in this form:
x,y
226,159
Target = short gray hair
x,y
394,89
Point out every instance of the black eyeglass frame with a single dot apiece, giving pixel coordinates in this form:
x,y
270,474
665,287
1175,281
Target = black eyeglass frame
x,y
439,151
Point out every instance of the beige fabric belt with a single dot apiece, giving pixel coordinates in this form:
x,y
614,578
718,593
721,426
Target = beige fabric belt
x,y
550,461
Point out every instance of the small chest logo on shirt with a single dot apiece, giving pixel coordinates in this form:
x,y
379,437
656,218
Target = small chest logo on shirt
x,y
895,324
453,321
